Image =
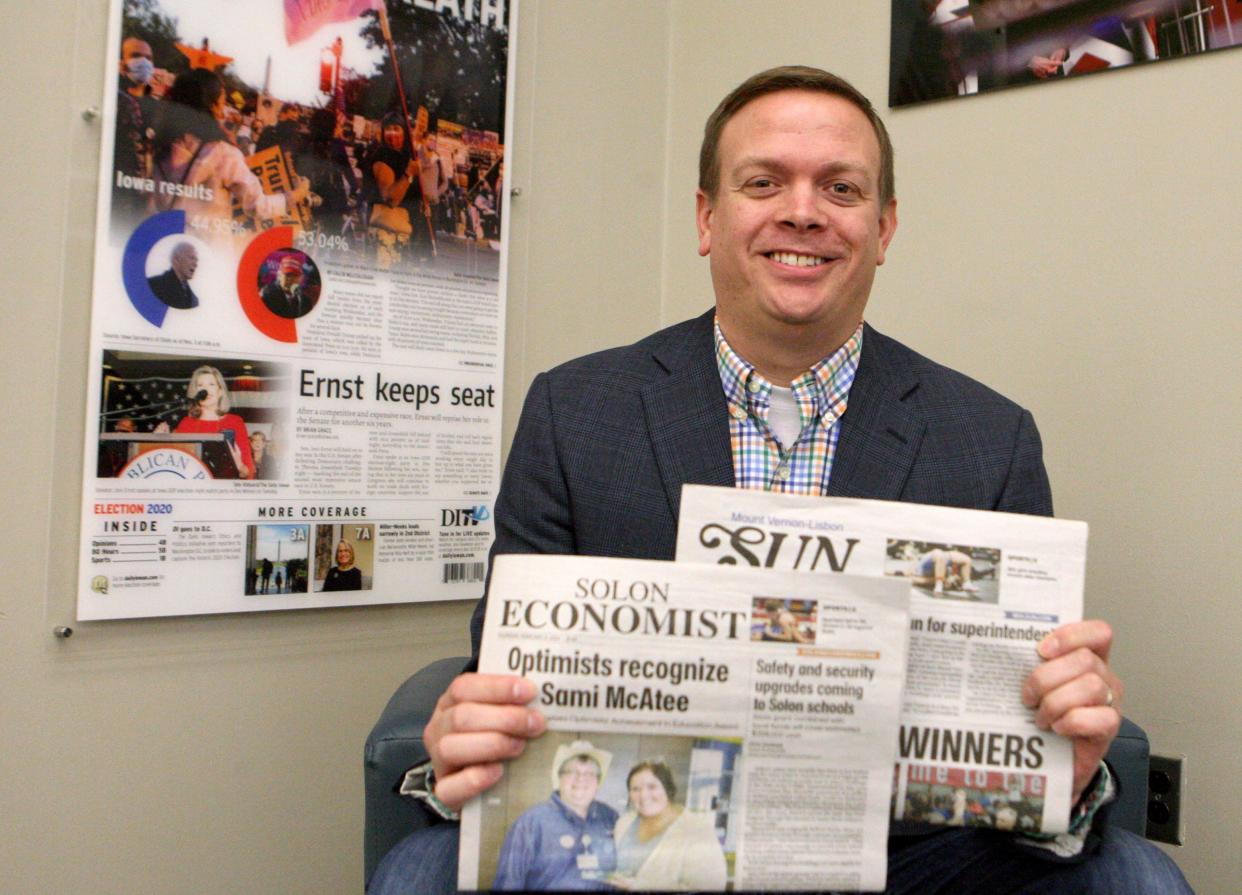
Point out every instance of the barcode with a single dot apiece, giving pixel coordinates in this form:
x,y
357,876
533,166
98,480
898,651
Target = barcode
x,y
463,571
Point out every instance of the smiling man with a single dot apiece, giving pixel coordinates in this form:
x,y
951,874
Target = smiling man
x,y
794,210
783,387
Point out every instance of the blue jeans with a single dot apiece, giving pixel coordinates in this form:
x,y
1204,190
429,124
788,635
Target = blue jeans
x,y
953,862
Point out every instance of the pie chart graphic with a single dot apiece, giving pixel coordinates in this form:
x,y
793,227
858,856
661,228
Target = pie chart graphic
x,y
281,329
134,263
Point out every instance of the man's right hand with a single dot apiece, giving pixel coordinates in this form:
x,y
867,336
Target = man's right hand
x,y
480,721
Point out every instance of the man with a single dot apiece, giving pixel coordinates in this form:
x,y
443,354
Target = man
x,y
114,455
783,387
285,133
135,115
284,295
564,843
172,287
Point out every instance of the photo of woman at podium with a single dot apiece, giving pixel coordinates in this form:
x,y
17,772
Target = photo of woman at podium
x,y
209,414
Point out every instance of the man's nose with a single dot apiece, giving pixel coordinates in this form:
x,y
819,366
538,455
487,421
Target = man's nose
x,y
803,208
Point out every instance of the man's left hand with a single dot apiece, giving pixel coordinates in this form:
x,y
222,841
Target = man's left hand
x,y
1075,693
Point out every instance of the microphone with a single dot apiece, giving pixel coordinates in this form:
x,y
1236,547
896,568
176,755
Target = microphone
x,y
200,397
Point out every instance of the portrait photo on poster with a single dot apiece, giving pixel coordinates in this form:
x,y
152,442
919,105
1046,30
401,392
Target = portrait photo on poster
x,y
344,557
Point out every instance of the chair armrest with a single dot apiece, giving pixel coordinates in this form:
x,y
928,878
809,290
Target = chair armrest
x,y
1129,757
394,745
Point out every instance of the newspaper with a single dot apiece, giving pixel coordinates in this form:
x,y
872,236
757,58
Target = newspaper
x,y
294,388
709,728
984,590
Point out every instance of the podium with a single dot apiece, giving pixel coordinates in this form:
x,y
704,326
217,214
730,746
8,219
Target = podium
x,y
119,451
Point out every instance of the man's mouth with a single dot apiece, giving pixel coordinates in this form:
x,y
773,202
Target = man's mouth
x,y
796,259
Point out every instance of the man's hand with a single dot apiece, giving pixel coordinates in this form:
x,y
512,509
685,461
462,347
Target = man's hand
x,y
1076,694
480,721
1047,66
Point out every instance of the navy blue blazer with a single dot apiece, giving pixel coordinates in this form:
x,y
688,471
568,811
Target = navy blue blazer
x,y
605,443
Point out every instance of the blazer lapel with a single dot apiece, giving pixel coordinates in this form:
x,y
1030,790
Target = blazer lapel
x,y
687,417
880,431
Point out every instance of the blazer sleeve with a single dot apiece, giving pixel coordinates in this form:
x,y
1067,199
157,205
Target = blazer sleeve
x,y
533,513
1026,488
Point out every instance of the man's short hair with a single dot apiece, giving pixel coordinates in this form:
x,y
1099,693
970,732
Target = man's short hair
x,y
789,77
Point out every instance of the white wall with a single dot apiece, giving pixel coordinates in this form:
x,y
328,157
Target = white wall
x,y
1085,231
224,754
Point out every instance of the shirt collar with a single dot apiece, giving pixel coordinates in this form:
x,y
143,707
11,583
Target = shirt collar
x,y
821,392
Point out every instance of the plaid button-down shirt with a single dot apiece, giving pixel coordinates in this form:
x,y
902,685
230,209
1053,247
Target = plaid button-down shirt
x,y
760,461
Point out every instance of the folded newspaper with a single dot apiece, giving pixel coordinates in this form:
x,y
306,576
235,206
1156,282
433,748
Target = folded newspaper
x,y
984,590
709,727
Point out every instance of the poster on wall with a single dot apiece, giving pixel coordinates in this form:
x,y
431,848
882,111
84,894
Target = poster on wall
x,y
943,48
297,318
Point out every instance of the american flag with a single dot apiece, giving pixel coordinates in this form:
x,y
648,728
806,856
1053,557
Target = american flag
x,y
150,400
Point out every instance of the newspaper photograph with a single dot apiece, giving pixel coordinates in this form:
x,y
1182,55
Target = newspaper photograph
x,y
297,315
984,589
709,728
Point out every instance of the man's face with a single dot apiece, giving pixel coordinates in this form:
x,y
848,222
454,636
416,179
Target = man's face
x,y
289,277
132,48
185,262
579,783
795,231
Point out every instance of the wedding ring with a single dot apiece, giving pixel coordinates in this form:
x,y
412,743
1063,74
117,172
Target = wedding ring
x,y
1108,699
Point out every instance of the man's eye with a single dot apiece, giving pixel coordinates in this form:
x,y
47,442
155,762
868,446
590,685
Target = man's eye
x,y
761,184
840,188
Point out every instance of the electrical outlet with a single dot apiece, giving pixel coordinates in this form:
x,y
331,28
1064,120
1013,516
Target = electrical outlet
x,y
1165,779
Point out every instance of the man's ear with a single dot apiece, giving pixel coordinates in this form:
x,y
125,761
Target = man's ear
x,y
888,226
703,220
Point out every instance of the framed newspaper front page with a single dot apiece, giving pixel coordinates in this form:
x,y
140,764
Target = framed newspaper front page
x,y
297,315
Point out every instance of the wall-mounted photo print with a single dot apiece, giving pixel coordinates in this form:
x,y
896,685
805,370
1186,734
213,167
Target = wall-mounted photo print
x,y
943,48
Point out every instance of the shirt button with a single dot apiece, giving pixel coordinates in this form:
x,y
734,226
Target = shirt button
x,y
782,473
754,386
738,413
